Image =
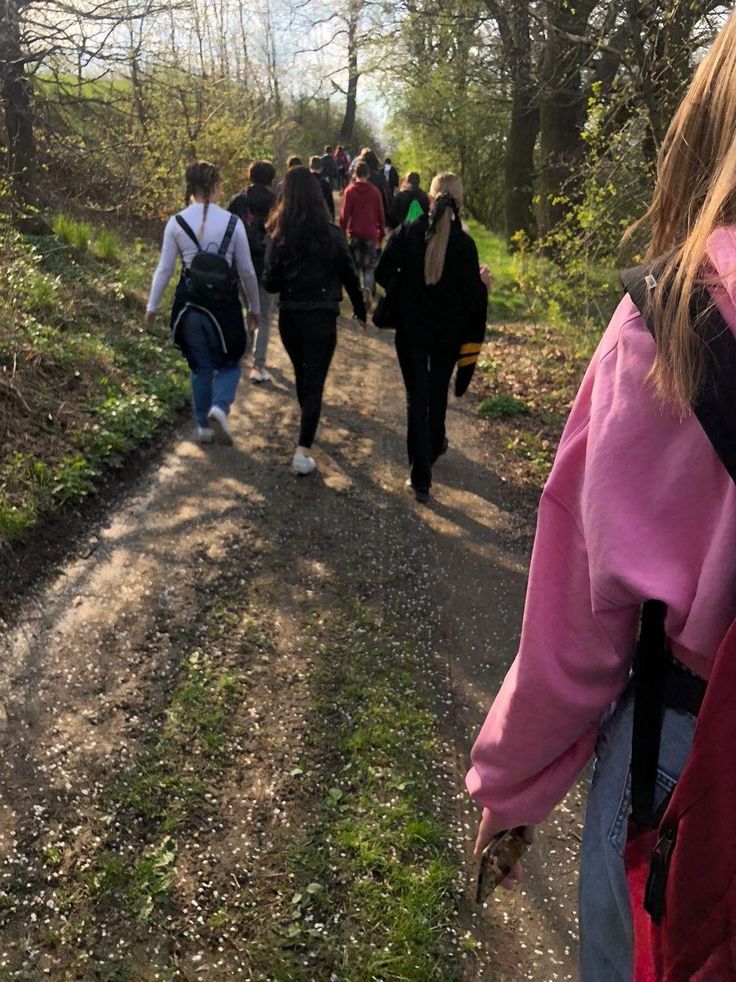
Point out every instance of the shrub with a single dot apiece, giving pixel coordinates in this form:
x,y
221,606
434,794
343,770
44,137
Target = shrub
x,y
107,246
502,407
75,234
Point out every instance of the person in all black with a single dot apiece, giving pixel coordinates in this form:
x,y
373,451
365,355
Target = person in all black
x,y
392,177
329,168
253,206
315,168
307,264
376,176
409,193
433,265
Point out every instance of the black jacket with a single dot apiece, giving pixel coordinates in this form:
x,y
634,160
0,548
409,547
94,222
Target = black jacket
x,y
253,207
452,311
314,281
402,203
326,189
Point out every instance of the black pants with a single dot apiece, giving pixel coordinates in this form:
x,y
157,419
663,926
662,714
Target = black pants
x,y
427,369
310,337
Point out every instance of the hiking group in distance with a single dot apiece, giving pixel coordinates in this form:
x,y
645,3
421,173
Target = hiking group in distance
x,y
627,653
288,245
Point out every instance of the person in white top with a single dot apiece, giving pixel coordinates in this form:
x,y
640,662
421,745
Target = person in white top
x,y
211,333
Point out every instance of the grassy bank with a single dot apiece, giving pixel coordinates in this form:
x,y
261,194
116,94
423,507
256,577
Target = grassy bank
x,y
81,383
535,355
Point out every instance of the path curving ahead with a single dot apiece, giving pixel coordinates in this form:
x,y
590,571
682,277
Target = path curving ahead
x,y
91,659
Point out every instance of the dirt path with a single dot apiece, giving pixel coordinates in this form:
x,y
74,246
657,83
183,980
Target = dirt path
x,y
223,566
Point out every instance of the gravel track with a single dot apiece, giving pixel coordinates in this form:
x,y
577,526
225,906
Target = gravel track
x,y
91,657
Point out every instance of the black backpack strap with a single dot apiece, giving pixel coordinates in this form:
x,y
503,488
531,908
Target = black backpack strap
x,y
188,230
227,238
715,409
650,672
715,404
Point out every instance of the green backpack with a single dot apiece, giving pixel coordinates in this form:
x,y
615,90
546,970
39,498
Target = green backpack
x,y
415,211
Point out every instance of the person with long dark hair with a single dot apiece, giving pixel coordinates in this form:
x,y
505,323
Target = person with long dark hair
x,y
307,264
432,265
207,319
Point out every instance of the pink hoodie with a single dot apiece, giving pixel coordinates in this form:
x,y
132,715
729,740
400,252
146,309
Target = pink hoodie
x,y
637,507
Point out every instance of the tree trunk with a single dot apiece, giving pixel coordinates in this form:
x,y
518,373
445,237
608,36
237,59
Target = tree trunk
x,y
523,128
562,109
351,104
15,93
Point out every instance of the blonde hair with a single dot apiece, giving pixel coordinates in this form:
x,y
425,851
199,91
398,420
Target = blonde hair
x,y
434,257
695,193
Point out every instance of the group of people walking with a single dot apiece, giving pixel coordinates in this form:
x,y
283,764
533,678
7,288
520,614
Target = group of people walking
x,y
637,522
284,247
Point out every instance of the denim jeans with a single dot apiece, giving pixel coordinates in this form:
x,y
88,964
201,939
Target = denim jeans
x,y
606,931
214,380
260,350
365,257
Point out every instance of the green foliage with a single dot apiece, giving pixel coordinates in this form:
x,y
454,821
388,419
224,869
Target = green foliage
x,y
107,246
449,115
81,385
502,406
151,878
75,234
506,302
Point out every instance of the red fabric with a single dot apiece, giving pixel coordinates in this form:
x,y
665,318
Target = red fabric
x,y
639,847
696,941
361,216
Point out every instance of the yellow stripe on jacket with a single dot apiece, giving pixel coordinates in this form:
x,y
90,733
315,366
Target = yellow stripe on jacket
x,y
469,360
471,348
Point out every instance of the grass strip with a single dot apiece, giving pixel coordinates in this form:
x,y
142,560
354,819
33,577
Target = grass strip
x,y
376,877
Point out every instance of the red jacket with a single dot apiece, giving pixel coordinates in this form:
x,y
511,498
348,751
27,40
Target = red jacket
x,y
362,216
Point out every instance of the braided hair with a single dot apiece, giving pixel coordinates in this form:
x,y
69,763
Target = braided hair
x,y
201,178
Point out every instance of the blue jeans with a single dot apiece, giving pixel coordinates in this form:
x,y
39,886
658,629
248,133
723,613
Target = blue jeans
x,y
606,931
214,380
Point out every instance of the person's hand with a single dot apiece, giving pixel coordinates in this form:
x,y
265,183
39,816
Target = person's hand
x,y
489,827
486,277
149,318
253,321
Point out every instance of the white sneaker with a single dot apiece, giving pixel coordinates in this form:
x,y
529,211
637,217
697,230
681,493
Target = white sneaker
x,y
260,375
205,434
220,429
303,463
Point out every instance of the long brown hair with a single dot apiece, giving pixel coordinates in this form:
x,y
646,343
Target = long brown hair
x,y
300,220
695,193
444,184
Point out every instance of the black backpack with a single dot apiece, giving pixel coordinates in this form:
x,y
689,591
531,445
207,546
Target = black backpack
x,y
210,278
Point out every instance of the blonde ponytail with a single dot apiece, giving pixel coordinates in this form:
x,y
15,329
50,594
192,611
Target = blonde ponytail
x,y
446,191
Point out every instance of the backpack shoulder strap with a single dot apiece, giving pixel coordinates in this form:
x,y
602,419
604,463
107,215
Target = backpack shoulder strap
x,y
227,238
715,404
188,230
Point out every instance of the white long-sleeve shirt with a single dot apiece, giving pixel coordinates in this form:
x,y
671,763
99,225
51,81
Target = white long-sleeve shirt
x,y
177,243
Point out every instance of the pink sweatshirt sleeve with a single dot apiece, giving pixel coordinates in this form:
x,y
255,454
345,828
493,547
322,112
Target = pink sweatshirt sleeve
x,y
578,635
